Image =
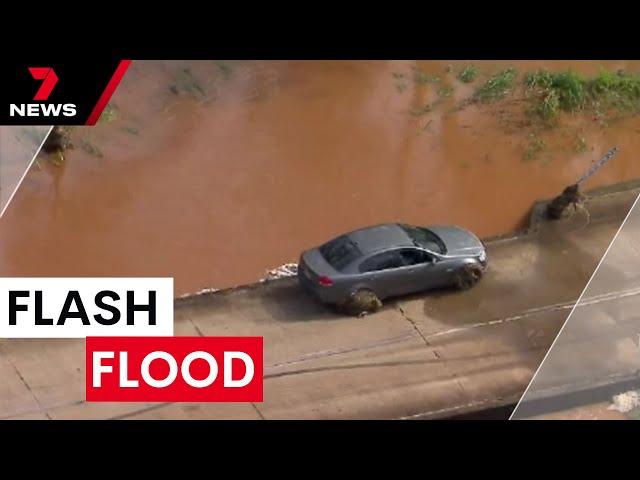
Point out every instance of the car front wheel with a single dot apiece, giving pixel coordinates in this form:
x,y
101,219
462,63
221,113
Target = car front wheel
x,y
468,276
361,302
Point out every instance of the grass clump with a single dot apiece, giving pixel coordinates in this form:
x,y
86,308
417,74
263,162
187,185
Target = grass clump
x,y
581,145
422,78
399,81
550,93
496,87
90,148
109,114
445,91
535,146
185,82
468,74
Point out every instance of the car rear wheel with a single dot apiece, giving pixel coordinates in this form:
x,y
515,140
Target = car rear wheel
x,y
468,276
361,302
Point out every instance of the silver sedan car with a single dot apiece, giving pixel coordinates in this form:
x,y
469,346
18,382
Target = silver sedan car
x,y
357,270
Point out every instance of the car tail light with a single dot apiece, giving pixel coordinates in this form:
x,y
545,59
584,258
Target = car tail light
x,y
325,281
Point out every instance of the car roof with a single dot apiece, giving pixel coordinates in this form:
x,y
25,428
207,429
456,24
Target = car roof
x,y
380,237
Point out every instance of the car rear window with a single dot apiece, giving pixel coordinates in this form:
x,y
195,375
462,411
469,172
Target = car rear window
x,y
425,238
340,252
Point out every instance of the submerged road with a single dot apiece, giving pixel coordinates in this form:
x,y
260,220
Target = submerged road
x,y
426,356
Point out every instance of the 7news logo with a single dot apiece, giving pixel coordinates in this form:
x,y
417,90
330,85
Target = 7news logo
x,y
49,80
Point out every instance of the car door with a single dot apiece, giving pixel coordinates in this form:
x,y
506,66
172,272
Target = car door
x,y
377,272
421,270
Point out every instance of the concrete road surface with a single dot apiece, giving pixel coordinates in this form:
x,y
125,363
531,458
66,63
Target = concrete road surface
x,y
597,354
426,356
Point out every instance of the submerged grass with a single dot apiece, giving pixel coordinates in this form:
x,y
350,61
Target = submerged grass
x,y
497,86
422,78
185,82
90,148
535,146
445,91
550,93
534,100
109,114
468,74
580,145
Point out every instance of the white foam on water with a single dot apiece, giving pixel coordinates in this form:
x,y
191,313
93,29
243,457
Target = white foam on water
x,y
283,271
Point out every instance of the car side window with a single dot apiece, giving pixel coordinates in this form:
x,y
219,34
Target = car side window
x,y
412,256
382,261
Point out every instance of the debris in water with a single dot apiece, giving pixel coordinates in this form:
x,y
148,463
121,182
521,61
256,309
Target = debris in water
x,y
57,142
58,139
625,402
204,291
131,130
109,114
570,196
187,83
91,149
283,271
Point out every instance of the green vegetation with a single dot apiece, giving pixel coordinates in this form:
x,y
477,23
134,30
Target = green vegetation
x,y
90,148
535,146
549,93
225,68
109,114
531,102
580,145
400,78
187,83
445,91
468,74
401,86
57,158
422,78
497,87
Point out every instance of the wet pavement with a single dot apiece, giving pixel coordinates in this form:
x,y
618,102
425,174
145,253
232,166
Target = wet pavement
x,y
597,354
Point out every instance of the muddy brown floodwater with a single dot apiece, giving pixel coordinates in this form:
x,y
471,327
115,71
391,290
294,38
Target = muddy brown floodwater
x,y
213,172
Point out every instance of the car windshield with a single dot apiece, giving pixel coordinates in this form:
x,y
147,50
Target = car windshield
x,y
340,252
425,238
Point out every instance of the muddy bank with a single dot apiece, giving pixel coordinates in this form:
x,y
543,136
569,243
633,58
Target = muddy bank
x,y
215,172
